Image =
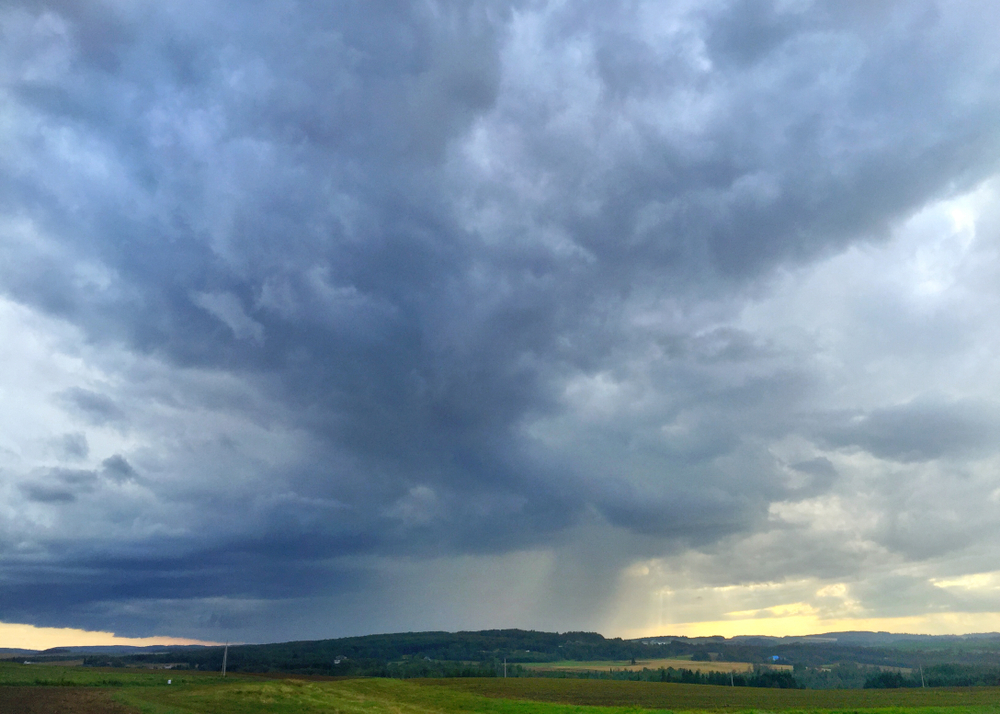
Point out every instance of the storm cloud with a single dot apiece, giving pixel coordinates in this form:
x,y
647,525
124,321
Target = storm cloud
x,y
326,319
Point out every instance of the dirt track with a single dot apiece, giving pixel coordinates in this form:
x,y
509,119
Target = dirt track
x,y
58,700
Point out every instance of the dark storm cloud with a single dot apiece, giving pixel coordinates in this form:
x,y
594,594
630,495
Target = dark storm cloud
x,y
820,467
118,469
38,592
98,408
695,517
749,30
43,493
421,231
919,431
60,486
74,446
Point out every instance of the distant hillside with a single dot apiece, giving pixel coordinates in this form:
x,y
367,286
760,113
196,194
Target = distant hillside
x,y
481,653
8,652
410,650
826,660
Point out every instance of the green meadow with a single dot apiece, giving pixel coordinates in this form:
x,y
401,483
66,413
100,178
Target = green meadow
x,y
147,691
49,675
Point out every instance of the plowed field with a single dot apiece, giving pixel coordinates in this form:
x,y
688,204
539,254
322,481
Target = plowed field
x,y
58,700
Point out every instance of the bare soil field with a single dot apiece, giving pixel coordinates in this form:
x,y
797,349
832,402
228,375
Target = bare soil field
x,y
59,700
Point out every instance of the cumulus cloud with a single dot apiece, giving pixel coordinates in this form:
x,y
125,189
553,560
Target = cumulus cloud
x,y
336,301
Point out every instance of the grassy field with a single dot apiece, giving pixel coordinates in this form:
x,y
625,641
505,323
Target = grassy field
x,y
604,666
698,697
535,696
207,693
353,696
35,674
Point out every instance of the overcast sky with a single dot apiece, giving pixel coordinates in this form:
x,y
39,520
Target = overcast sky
x,y
332,318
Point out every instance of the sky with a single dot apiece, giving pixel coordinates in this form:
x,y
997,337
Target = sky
x,y
647,318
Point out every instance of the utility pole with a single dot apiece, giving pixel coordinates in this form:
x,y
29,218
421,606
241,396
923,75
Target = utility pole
x,y
505,668
225,656
732,682
922,676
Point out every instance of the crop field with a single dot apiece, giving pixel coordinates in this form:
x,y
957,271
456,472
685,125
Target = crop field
x,y
604,666
534,696
354,696
30,689
40,675
700,697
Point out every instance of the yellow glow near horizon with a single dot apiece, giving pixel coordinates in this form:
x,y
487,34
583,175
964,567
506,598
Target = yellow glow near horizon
x,y
29,637
797,625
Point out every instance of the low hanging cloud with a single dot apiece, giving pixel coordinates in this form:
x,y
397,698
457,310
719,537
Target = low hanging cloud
x,y
920,431
336,306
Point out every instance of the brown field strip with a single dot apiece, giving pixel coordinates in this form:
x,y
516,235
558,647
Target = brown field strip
x,y
686,697
59,700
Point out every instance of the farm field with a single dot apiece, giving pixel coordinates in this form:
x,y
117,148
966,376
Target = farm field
x,y
353,696
53,675
603,666
59,700
534,696
29,689
700,697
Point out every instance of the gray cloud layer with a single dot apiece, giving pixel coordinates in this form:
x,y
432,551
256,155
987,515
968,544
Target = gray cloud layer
x,y
340,289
